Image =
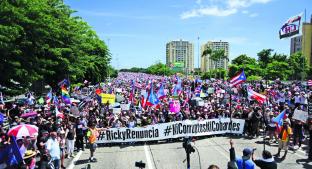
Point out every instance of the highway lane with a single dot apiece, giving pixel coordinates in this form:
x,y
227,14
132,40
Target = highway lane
x,y
164,155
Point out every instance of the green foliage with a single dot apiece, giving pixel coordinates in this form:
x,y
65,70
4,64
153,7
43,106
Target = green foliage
x,y
156,69
278,69
40,40
254,78
264,57
298,64
244,59
215,73
159,69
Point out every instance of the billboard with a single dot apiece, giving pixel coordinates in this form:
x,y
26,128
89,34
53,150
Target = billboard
x,y
291,27
178,67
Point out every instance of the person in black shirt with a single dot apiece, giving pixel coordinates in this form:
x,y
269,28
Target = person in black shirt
x,y
267,161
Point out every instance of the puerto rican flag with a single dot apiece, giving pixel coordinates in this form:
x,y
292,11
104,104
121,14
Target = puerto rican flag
x,y
257,96
309,83
238,79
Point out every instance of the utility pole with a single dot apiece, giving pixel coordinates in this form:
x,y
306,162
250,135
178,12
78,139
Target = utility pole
x,y
108,75
198,55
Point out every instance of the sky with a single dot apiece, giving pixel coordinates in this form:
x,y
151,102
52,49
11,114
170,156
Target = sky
x,y
136,31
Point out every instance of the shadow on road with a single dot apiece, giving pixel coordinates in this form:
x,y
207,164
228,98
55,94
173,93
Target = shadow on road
x,y
304,163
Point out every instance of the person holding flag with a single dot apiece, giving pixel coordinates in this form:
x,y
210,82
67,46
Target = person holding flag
x,y
284,137
92,135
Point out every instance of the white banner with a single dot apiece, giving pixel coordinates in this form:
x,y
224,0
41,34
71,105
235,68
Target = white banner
x,y
172,130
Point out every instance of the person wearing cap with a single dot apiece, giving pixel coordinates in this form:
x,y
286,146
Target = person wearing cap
x,y
92,135
244,162
284,137
266,162
54,150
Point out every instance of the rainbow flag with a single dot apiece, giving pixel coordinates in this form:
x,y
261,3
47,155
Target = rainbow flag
x,y
65,95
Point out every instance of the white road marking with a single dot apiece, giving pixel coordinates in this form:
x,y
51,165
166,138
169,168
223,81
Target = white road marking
x,y
72,165
148,157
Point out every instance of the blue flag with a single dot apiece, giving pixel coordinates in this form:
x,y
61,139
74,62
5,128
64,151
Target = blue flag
x,y
279,119
161,92
10,154
152,99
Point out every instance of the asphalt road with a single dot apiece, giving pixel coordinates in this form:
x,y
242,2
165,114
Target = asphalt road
x,y
164,155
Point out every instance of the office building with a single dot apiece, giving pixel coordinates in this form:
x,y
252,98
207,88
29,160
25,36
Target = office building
x,y
307,41
207,63
295,44
180,52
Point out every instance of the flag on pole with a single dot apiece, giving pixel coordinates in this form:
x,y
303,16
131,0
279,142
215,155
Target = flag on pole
x,y
10,154
64,82
152,99
161,92
49,97
55,101
238,79
65,95
309,83
279,118
257,96
1,98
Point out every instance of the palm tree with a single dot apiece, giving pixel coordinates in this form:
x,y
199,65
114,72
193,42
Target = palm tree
x,y
217,56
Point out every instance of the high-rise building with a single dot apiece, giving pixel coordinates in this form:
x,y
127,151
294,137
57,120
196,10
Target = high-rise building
x,y
303,42
307,41
295,44
180,51
207,63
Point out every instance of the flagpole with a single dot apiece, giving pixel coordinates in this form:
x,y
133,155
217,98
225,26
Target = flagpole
x,y
231,114
263,127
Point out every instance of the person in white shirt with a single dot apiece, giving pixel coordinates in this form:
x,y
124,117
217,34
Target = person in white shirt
x,y
53,147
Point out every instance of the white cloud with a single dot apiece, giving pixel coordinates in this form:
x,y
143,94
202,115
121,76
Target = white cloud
x,y
221,8
245,12
214,11
253,15
245,3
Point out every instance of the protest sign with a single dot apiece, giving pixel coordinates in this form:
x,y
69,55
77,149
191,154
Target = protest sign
x,y
110,98
116,110
210,90
200,103
175,106
300,115
118,90
125,106
172,130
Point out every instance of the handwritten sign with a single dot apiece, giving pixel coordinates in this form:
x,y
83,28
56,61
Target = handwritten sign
x,y
300,115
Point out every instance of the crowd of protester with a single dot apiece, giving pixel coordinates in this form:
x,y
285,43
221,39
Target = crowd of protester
x,y
64,129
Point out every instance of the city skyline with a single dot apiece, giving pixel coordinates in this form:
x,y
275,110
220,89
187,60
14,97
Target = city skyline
x,y
135,29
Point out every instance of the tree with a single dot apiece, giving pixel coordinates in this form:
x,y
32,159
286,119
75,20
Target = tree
x,y
277,69
244,59
217,55
299,66
159,69
207,51
40,40
264,57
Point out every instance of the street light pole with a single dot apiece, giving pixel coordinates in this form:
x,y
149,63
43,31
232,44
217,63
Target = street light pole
x,y
198,53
